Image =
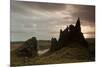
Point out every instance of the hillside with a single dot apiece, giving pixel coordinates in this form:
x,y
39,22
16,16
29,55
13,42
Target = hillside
x,y
64,55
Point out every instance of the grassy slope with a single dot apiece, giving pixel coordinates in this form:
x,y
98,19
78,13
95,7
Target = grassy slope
x,y
64,55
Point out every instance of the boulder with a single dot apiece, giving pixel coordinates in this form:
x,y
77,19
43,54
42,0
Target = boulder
x,y
28,49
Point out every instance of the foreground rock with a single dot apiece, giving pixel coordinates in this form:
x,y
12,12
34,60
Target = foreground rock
x,y
28,49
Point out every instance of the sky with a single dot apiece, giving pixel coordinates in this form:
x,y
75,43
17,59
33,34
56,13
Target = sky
x,y
44,20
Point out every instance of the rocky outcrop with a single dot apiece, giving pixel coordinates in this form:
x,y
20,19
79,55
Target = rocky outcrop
x,y
54,44
28,49
70,36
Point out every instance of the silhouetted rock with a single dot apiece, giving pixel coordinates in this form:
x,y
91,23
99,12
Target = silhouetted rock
x,y
77,26
53,44
28,49
71,35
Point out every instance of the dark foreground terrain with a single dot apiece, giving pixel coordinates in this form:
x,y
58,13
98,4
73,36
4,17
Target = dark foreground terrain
x,y
64,55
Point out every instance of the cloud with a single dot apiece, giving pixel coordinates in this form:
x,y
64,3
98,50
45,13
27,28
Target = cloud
x,y
42,20
86,13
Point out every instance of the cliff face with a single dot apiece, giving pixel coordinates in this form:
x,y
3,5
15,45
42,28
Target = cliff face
x,y
28,49
72,34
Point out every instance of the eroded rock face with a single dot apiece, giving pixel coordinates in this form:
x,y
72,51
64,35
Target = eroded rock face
x,y
72,34
28,49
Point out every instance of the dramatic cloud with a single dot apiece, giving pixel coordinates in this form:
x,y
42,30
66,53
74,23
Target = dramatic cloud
x,y
44,20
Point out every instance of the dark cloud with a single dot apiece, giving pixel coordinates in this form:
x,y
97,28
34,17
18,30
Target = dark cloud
x,y
44,6
86,13
36,5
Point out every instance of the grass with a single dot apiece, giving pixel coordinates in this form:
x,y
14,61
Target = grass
x,y
64,55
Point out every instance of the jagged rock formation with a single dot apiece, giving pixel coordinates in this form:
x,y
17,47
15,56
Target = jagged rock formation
x,y
28,49
71,35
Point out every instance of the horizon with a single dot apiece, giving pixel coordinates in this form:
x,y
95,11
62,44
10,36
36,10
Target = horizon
x,y
43,40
